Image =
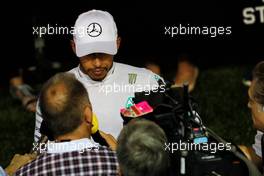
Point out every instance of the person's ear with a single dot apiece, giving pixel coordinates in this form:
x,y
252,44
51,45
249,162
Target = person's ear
x,y
118,42
73,46
88,115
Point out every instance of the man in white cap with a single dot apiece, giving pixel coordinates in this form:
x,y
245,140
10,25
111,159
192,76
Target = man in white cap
x,y
111,86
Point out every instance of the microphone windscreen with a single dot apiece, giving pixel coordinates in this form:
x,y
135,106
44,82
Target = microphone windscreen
x,y
95,125
95,132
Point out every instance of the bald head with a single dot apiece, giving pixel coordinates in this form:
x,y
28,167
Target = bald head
x,y
62,103
56,96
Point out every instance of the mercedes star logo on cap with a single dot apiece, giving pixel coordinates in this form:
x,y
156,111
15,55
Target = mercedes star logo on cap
x,y
94,29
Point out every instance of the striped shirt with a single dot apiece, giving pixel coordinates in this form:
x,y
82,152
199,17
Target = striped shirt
x,y
87,158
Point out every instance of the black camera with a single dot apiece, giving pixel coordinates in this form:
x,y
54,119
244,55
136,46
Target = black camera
x,y
194,149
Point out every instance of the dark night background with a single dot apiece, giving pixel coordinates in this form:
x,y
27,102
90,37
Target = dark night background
x,y
223,60
142,30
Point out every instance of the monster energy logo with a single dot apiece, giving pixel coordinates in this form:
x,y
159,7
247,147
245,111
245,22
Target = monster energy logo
x,y
132,78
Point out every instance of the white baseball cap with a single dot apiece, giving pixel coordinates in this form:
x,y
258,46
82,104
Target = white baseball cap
x,y
95,32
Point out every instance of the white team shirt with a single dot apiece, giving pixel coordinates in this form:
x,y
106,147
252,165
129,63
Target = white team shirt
x,y
111,94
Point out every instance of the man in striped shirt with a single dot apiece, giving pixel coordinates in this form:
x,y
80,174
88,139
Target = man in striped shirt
x,y
66,109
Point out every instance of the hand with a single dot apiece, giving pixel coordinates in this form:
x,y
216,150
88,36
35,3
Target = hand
x,y
111,141
19,161
251,155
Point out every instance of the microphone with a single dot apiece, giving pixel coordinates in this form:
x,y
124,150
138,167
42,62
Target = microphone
x,y
95,132
95,126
